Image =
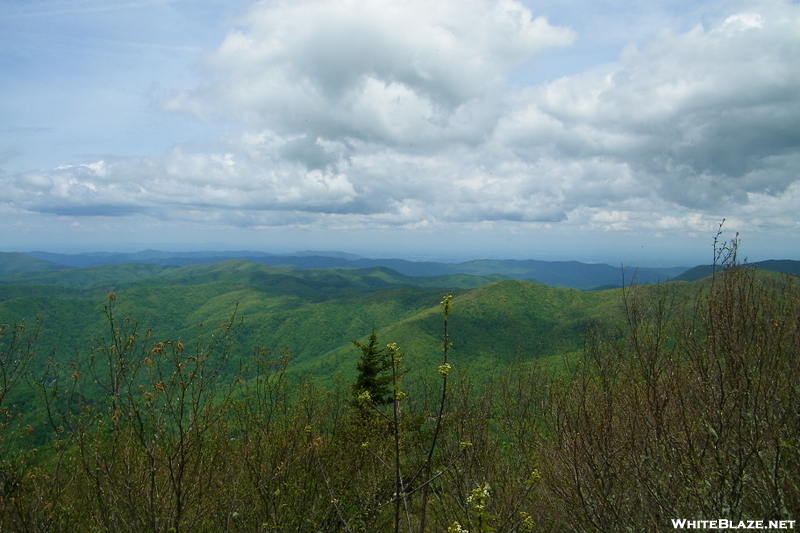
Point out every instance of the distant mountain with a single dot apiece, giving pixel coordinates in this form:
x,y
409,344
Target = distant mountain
x,y
154,257
340,255
317,312
17,262
490,325
569,273
313,312
782,266
314,283
572,274
310,311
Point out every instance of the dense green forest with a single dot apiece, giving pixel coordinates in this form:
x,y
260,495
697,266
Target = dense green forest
x,y
573,274
232,397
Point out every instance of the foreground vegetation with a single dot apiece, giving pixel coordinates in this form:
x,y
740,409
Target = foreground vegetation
x,y
685,405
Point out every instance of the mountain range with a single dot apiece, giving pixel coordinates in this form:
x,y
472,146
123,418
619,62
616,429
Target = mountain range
x,y
554,273
501,312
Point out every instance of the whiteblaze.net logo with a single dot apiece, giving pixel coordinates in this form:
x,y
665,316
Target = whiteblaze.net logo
x,y
722,523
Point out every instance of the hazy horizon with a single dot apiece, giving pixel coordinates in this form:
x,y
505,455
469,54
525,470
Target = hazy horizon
x,y
453,256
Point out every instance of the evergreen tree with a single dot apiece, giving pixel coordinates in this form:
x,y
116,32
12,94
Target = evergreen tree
x,y
373,382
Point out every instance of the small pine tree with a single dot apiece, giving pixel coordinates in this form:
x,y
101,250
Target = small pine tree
x,y
373,382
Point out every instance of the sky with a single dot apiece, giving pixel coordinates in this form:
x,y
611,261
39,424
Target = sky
x,y
616,131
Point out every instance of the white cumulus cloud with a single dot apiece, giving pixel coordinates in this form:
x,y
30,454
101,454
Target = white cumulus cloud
x,y
351,113
388,71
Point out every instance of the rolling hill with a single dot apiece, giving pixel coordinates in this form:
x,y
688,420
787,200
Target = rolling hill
x,y
17,262
490,326
313,313
781,266
309,311
556,273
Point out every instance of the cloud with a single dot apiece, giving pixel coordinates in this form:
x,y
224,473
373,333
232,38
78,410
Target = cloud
x,y
705,118
401,114
180,181
386,71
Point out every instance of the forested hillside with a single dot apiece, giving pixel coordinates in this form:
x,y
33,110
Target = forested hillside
x,y
572,274
310,312
224,397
